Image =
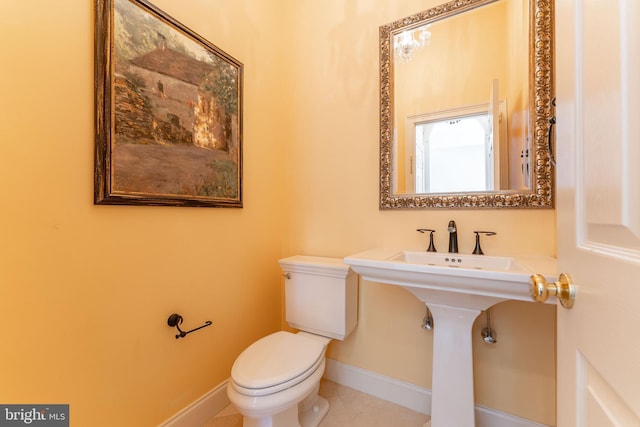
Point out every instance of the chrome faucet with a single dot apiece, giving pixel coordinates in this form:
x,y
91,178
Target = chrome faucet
x,y
453,237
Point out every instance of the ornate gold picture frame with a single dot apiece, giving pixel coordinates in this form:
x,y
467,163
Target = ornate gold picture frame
x,y
168,112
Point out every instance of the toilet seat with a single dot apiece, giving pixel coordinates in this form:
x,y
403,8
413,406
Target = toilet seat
x,y
275,363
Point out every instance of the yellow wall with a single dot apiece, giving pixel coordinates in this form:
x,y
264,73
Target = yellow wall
x,y
86,290
438,78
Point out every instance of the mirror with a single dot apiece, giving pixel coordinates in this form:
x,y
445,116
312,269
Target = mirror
x,y
465,102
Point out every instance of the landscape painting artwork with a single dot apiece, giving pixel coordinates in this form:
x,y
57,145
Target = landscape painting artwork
x,y
168,112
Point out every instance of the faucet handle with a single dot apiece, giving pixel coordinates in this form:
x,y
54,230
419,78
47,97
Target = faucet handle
x,y
432,247
478,249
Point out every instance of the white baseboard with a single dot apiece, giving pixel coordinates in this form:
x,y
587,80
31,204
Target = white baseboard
x,y
410,395
386,388
203,409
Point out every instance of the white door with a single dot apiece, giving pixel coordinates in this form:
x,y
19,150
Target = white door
x,y
598,210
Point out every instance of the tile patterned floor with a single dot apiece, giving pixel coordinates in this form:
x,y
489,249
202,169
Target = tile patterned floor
x,y
348,408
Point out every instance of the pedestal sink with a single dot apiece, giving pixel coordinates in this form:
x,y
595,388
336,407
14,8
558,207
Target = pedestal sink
x,y
456,288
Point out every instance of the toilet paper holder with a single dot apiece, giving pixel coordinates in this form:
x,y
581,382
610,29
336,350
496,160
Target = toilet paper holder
x,y
175,320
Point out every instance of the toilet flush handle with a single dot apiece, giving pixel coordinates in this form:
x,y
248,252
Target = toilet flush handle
x,y
287,275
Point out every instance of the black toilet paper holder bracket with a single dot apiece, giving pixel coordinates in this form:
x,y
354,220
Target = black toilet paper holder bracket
x,y
175,320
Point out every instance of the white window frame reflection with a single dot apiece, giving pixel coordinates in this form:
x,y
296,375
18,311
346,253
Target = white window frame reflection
x,y
464,164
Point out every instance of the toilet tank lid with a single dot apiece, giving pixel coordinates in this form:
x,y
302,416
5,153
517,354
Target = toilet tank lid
x,y
276,359
314,263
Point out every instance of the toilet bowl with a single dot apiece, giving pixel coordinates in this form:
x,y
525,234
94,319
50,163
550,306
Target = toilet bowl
x,y
275,381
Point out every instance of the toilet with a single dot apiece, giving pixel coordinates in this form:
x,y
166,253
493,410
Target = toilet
x,y
275,381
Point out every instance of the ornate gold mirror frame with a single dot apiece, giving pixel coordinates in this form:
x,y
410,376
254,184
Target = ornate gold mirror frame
x,y
540,87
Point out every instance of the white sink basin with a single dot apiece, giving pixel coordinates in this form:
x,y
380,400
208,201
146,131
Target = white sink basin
x,y
480,262
474,281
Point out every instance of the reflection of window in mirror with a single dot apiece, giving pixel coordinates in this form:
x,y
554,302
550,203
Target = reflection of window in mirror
x,y
457,151
454,155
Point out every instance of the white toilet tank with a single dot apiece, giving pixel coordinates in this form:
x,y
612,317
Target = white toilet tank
x,y
321,295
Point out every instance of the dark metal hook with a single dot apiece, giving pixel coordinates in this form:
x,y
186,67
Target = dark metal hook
x,y
175,320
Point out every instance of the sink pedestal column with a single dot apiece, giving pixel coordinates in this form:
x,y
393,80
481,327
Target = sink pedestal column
x,y
452,402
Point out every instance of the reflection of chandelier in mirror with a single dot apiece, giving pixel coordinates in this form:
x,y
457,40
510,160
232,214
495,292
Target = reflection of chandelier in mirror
x,y
407,41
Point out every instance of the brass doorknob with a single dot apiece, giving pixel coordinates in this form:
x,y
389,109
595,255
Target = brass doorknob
x,y
563,289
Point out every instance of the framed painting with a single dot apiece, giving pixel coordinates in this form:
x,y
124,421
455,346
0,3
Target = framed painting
x,y
168,112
